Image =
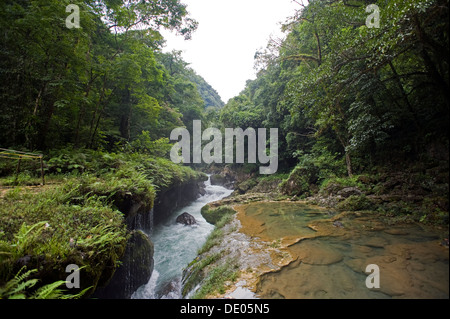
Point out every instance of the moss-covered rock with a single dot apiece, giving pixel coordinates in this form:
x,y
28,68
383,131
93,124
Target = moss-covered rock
x,y
298,182
135,270
354,203
213,215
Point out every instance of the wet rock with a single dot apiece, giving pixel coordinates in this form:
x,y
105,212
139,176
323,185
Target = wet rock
x,y
218,180
202,191
225,179
30,261
135,270
389,259
415,266
171,289
394,278
175,197
357,265
186,219
23,261
396,232
361,249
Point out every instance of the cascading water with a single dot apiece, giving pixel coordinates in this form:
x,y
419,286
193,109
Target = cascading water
x,y
176,245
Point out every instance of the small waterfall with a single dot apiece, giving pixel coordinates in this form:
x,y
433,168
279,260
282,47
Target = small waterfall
x,y
176,245
143,222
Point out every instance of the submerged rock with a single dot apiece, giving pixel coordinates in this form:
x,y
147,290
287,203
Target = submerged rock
x,y
186,219
314,252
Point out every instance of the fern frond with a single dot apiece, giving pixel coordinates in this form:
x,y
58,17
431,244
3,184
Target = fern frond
x,y
16,287
78,295
50,291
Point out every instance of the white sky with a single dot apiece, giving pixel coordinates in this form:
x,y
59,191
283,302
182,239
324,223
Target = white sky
x,y
230,32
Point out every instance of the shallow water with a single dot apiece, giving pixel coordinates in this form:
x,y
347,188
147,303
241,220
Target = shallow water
x,y
277,220
330,262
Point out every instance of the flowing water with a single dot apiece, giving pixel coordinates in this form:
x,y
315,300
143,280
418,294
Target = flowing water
x,y
329,253
176,246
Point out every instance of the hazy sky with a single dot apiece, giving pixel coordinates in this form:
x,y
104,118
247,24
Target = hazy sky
x,y
229,33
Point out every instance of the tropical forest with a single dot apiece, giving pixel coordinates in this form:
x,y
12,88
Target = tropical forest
x,y
94,206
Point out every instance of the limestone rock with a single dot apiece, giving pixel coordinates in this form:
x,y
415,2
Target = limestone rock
x,y
135,270
186,219
316,253
349,191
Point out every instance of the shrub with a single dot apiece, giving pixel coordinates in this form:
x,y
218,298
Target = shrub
x,y
297,183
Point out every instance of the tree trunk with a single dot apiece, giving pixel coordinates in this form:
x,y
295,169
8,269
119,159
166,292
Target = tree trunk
x,y
348,161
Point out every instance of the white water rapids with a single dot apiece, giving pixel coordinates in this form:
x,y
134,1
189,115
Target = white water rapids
x,y
176,246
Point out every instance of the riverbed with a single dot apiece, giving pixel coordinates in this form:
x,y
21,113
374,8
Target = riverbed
x,y
318,254
176,245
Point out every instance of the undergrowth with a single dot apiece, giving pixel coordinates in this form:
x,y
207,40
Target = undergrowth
x,y
77,219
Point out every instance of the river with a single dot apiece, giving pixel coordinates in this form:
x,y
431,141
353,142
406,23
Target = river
x,y
177,245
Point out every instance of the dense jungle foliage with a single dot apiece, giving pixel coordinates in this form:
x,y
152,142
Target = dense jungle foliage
x,y
355,105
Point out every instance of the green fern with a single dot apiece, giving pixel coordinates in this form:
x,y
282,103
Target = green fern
x,y
49,291
52,291
20,285
16,287
25,235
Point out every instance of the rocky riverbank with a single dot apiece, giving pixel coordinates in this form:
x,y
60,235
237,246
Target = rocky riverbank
x,y
397,219
271,257
137,263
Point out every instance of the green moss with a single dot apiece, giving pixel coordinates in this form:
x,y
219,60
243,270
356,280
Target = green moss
x,y
217,234
216,279
78,221
298,182
47,232
213,216
355,203
196,272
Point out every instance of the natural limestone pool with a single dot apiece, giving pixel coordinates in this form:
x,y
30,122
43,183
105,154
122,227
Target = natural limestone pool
x,y
325,254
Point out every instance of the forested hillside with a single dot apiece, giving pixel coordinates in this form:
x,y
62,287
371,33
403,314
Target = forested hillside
x,y
99,103
361,104
347,97
340,91
105,83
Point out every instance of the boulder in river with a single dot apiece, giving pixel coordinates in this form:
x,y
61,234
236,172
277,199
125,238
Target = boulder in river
x,y
186,219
